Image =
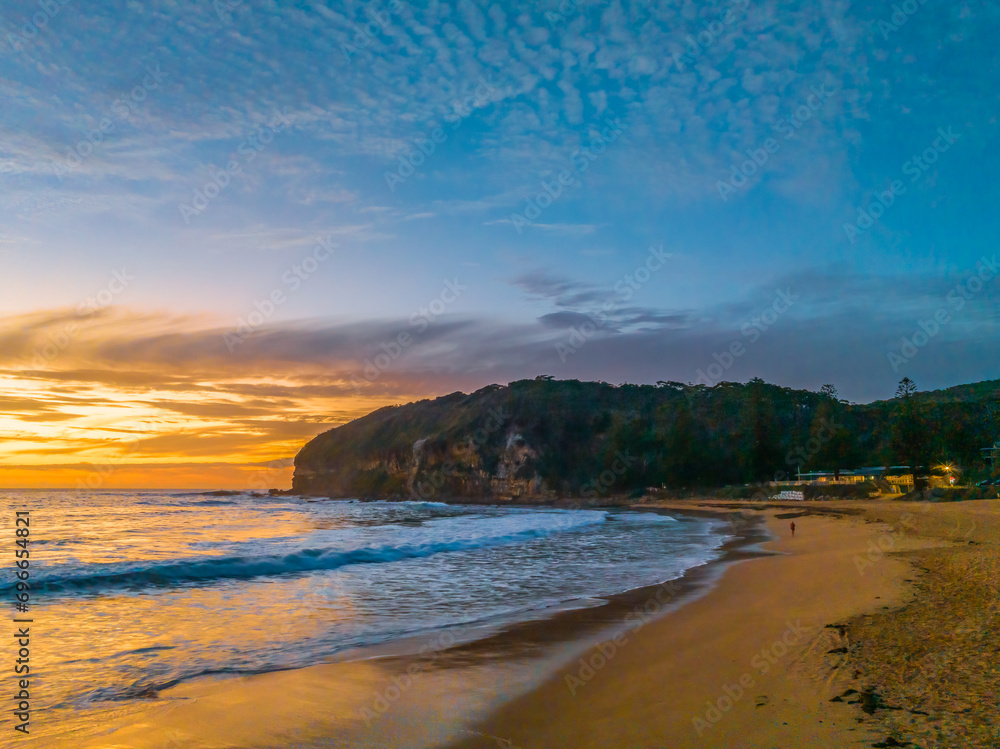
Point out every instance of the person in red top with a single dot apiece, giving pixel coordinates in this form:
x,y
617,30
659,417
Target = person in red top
x,y
793,528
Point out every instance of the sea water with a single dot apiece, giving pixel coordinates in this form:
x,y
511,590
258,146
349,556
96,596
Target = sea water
x,y
133,592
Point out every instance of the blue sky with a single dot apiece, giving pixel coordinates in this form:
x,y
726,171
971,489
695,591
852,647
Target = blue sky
x,y
643,127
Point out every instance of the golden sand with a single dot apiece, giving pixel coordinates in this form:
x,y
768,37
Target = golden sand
x,y
751,664
935,663
876,625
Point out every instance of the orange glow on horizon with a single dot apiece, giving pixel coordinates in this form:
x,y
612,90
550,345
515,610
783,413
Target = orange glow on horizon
x,y
168,476
84,415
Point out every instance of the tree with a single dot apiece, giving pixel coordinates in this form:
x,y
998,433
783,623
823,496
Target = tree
x,y
908,435
991,417
906,388
760,453
829,391
686,445
830,442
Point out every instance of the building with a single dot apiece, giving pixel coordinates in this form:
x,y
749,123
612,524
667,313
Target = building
x,y
852,476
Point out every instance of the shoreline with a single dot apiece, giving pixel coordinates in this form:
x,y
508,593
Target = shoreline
x,y
494,661
755,662
572,622
782,651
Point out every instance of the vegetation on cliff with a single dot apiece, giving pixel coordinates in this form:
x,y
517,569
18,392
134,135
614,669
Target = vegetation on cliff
x,y
570,438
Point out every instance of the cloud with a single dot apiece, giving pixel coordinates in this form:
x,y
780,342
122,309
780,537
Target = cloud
x,y
561,291
565,229
550,83
485,103
283,364
586,304
136,387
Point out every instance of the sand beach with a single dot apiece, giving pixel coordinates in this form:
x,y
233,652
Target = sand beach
x,y
872,625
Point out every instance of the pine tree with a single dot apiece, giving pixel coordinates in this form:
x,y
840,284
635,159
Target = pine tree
x,y
908,435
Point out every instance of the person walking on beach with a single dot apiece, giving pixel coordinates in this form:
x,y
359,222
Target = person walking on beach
x,y
793,528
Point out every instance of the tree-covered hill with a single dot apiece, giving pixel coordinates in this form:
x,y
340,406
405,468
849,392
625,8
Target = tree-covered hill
x,y
546,437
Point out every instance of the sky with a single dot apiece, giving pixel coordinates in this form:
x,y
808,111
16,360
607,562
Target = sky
x,y
227,227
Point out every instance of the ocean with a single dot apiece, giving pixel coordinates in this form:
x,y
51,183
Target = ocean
x,y
134,592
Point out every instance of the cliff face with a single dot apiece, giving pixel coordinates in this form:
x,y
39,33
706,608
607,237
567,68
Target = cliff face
x,y
455,446
542,438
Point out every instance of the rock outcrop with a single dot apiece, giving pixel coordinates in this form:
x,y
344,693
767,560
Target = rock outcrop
x,y
543,439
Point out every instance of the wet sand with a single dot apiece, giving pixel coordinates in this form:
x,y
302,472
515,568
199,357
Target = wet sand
x,y
753,663
759,654
428,691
